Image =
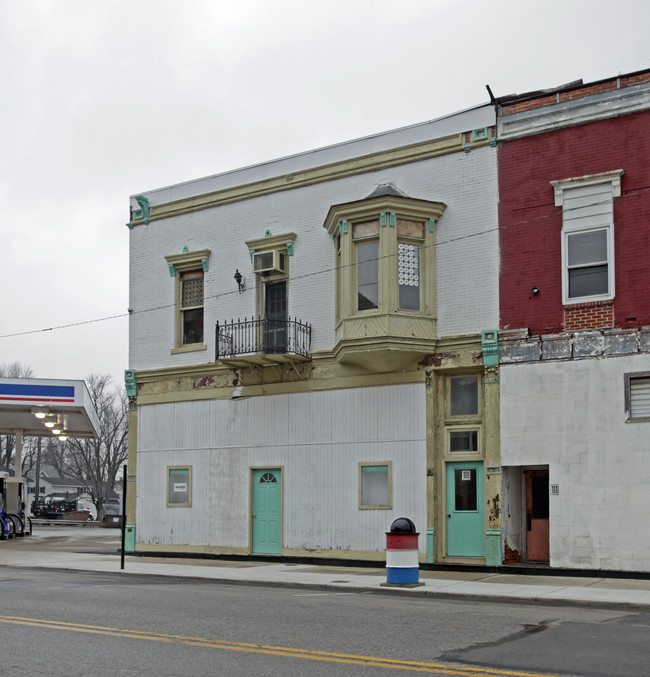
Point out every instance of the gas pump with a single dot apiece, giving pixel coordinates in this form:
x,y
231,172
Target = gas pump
x,y
13,519
5,522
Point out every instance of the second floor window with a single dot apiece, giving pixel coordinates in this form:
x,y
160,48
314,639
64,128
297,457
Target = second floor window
x,y
192,306
588,235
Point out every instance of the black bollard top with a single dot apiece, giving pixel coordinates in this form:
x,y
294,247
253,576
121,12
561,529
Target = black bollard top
x,y
402,525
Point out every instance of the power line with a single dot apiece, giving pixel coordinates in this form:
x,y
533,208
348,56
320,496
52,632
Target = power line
x,y
441,243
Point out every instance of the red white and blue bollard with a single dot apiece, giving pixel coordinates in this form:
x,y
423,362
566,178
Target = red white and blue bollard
x,y
402,566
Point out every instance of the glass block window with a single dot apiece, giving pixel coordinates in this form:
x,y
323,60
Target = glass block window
x,y
375,486
192,294
463,396
409,276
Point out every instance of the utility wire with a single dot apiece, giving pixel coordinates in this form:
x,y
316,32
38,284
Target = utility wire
x,y
441,243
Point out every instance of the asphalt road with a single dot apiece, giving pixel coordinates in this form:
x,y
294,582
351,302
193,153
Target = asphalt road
x,y
70,623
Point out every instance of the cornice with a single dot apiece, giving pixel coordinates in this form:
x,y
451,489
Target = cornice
x,y
602,106
399,156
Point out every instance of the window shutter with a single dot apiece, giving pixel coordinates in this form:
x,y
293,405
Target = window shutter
x,y
640,397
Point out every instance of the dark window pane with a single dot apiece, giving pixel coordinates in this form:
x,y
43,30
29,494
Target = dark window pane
x,y
368,275
539,486
193,326
463,440
465,481
464,396
590,281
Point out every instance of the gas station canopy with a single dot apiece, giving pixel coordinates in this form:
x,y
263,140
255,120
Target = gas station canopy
x,y
42,407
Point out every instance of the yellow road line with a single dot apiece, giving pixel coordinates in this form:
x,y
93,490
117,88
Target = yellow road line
x,y
289,652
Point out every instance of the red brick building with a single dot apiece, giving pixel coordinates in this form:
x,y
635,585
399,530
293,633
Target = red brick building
x,y
574,339
556,142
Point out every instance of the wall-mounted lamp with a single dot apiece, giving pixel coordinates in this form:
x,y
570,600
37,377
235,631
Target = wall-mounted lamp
x,y
57,429
534,291
40,412
63,438
239,279
49,424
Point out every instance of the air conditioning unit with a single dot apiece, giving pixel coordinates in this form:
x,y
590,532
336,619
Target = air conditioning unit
x,y
265,263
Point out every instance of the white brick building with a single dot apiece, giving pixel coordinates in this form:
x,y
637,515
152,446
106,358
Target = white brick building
x,y
345,386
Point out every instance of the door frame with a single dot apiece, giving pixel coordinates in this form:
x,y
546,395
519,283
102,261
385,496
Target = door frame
x,y
524,509
480,502
251,488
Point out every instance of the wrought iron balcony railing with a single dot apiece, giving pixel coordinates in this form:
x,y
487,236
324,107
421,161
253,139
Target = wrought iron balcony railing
x,y
262,335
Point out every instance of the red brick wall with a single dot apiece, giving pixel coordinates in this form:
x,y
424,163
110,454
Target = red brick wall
x,y
531,224
579,92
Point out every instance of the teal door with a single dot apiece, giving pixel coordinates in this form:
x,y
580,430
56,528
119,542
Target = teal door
x,y
465,526
267,511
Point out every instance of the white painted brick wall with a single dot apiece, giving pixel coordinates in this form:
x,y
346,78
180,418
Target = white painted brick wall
x,y
466,255
571,417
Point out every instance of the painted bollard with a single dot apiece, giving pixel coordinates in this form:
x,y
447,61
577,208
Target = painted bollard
x,y
402,566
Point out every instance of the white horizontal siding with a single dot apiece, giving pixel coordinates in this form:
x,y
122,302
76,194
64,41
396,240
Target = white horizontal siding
x,y
317,438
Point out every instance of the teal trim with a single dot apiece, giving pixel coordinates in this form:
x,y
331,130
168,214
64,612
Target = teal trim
x,y
493,470
432,225
172,270
186,250
268,233
130,225
490,345
392,220
493,550
129,537
144,206
480,134
493,142
267,511
374,468
383,219
465,521
431,556
467,148
346,225
205,264
289,248
251,252
130,383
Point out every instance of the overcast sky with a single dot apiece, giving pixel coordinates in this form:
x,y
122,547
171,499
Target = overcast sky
x,y
104,99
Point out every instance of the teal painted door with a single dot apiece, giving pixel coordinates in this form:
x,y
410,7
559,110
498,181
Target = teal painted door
x,y
465,525
267,511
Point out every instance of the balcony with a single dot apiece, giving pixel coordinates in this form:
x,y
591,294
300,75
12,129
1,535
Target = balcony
x,y
261,341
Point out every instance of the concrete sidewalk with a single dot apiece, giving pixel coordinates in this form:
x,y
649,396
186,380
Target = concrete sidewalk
x,y
81,549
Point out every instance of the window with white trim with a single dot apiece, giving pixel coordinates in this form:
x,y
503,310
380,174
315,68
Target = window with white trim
x,y
588,235
637,397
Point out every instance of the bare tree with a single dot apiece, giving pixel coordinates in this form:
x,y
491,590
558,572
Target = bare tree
x,y
94,463
8,442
